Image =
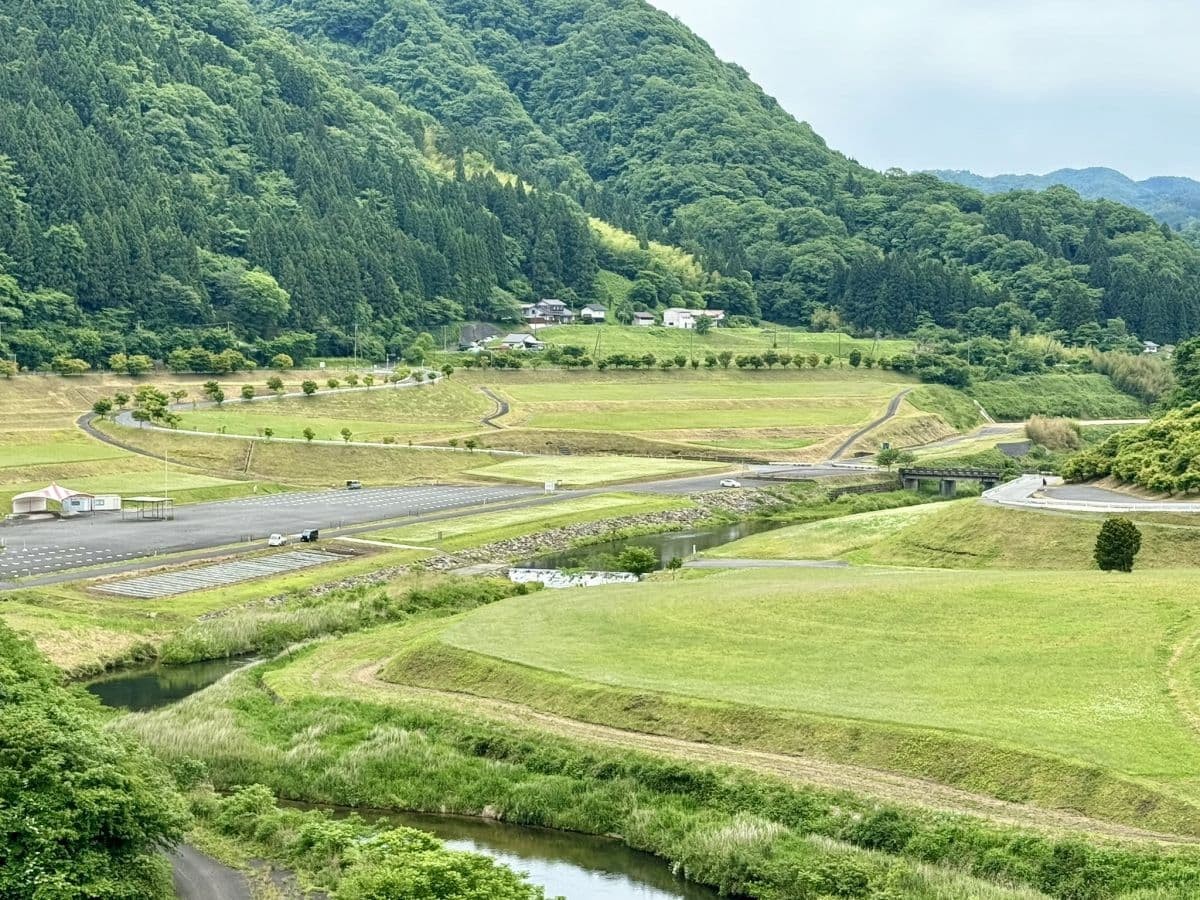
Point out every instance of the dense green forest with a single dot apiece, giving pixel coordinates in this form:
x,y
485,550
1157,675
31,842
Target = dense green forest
x,y
1170,199
267,176
686,148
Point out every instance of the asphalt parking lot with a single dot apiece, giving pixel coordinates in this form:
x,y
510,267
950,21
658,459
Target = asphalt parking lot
x,y
41,548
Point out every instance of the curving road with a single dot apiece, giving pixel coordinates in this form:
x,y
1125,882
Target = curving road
x,y
893,408
1029,492
502,409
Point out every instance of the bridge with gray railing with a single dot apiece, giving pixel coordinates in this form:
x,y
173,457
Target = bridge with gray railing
x,y
912,476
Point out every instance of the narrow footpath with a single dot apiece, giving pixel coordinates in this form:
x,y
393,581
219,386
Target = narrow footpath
x,y
200,877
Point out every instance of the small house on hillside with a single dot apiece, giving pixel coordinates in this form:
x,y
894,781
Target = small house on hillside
x,y
593,313
547,312
1150,347
686,318
521,342
643,319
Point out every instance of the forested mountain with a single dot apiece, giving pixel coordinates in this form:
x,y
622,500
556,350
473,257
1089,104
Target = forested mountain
x,y
175,174
1173,200
266,175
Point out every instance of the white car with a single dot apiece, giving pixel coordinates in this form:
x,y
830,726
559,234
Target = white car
x,y
730,483
276,540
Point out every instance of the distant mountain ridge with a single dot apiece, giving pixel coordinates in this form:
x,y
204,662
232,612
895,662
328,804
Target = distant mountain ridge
x,y
1171,199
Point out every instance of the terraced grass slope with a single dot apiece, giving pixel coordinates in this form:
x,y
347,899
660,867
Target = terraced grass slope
x,y
780,410
434,412
1074,690
967,534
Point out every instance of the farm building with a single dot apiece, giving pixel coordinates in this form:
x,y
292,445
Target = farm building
x,y
686,318
643,319
593,313
69,501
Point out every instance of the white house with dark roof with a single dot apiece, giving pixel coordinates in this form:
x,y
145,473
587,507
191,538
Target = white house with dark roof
x,y
593,312
547,312
686,318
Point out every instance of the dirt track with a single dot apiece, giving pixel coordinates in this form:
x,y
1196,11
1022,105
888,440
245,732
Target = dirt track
x,y
884,785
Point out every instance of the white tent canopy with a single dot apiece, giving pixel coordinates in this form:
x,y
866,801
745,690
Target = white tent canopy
x,y
36,501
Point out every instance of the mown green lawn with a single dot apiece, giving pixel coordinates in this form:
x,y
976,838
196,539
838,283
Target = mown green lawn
x,y
449,407
41,448
967,534
699,400
584,471
1075,664
485,528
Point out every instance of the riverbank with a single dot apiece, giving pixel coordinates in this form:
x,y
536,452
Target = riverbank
x,y
310,735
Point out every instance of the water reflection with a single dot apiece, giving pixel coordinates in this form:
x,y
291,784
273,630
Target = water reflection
x,y
575,866
682,544
140,690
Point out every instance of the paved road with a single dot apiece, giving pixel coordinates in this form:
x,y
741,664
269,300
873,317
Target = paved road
x,y
42,548
893,408
502,409
1027,492
199,877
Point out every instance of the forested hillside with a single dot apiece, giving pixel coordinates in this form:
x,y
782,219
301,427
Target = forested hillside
x,y
266,175
684,147
1173,200
174,174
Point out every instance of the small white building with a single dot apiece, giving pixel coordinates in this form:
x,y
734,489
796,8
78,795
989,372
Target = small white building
x,y
593,313
643,319
686,318
1150,347
69,501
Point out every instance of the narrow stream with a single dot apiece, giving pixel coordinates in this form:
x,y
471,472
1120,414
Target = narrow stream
x,y
575,866
682,544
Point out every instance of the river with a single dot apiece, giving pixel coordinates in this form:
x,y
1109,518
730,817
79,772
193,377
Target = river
x,y
575,866
681,544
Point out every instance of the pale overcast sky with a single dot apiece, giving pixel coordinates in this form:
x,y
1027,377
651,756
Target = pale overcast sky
x,y
987,85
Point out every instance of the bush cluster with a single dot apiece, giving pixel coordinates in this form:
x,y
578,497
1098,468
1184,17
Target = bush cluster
x,y
1163,456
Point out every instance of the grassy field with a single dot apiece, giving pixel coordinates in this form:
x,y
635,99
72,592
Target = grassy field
x,y
585,471
769,411
485,528
1029,678
430,413
662,342
1074,396
83,632
967,534
40,443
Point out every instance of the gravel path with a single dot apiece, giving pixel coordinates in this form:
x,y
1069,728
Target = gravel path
x,y
200,877
364,683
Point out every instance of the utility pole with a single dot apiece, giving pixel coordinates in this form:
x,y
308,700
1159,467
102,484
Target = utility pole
x,y
356,346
